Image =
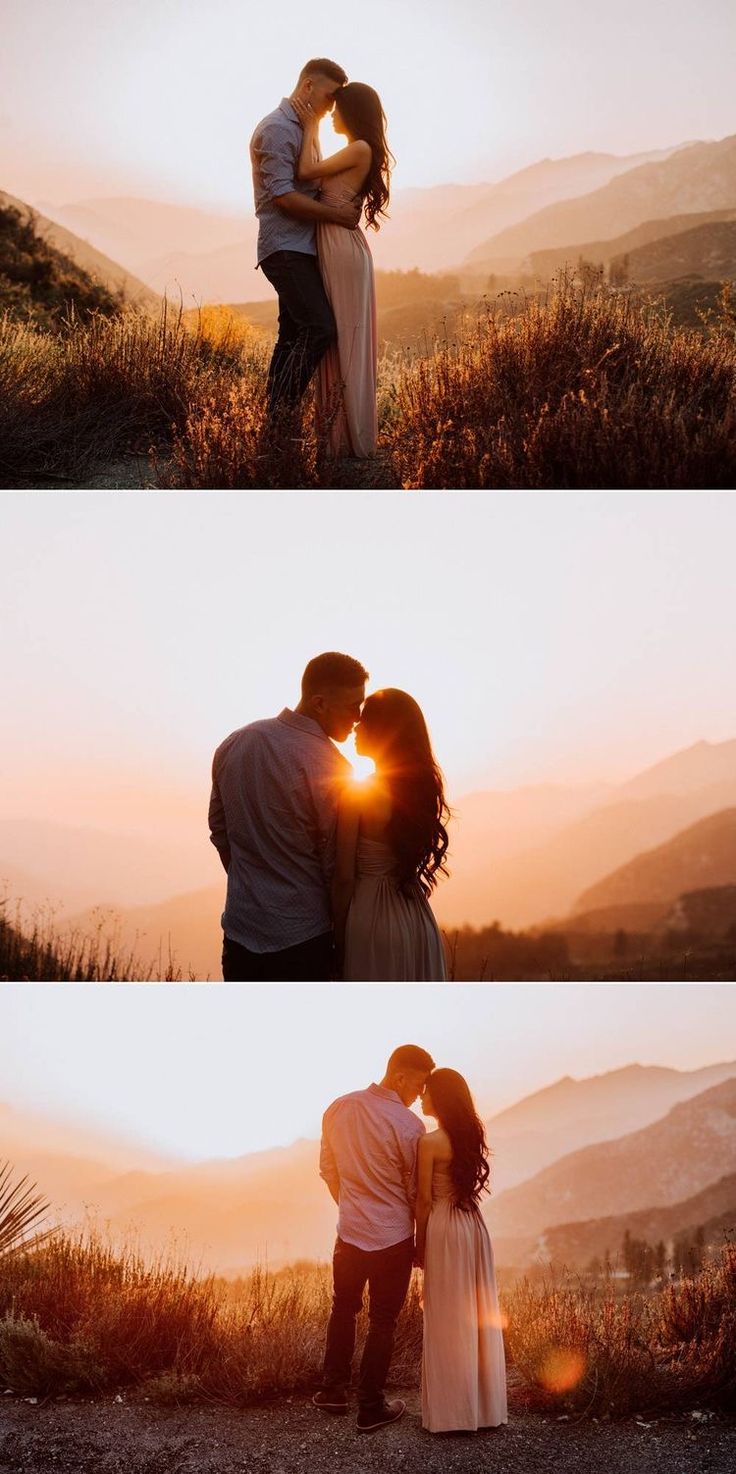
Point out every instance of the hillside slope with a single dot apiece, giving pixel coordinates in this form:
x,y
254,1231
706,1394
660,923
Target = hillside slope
x,y
699,857
700,177
665,1163
545,263
81,257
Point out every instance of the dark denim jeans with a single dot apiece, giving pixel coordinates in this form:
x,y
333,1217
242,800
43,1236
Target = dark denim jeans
x,y
306,325
387,1273
307,962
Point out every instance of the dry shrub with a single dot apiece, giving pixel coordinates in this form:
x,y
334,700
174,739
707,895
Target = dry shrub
x,y
226,442
585,389
79,1315
589,1351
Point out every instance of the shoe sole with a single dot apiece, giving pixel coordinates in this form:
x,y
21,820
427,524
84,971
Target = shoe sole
x,y
334,1407
384,1423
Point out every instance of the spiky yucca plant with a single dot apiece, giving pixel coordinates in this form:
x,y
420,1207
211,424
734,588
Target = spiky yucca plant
x,y
21,1206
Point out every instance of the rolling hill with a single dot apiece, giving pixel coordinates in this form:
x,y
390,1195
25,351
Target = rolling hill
x,y
699,177
701,856
707,252
102,268
523,857
574,1113
544,264
713,1210
664,1163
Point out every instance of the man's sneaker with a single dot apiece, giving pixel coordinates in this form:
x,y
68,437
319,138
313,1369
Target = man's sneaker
x,y
333,1401
372,1417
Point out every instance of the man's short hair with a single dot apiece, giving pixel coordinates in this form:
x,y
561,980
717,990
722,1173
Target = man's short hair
x,y
323,67
410,1057
332,669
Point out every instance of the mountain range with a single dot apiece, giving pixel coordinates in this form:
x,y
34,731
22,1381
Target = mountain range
x,y
205,256
698,177
662,1164
654,1139
541,856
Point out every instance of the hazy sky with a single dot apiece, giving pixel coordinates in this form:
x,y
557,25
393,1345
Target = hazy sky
x,y
563,637
159,97
203,1071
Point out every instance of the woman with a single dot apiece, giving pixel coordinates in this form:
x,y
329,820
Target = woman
x,y
391,847
463,1363
346,377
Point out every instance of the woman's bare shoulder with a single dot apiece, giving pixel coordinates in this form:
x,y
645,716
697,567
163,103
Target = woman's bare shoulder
x,y
435,1143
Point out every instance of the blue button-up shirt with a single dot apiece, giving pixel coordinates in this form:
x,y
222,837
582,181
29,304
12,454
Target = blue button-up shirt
x,y
274,154
273,811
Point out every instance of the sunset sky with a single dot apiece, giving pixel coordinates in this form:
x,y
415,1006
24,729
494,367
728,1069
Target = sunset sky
x,y
564,638
202,1071
159,97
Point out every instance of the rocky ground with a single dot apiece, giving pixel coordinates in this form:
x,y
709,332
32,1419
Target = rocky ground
x,y
132,1437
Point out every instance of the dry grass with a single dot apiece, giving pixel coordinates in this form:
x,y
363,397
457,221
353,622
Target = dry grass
x,y
78,1317
43,950
587,388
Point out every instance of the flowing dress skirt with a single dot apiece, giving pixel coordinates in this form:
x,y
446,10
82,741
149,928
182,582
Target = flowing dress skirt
x,y
390,937
346,377
463,1363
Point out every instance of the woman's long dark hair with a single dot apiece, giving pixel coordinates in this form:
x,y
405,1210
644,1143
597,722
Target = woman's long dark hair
x,y
455,1111
361,111
406,764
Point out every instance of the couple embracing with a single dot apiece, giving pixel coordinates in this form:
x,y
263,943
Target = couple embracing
x,y
407,1197
312,251
328,878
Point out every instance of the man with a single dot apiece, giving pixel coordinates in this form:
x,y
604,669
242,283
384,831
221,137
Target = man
x,y
369,1162
273,816
288,211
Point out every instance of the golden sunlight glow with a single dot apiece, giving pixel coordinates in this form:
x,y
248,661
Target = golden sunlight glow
x,y
363,767
561,1369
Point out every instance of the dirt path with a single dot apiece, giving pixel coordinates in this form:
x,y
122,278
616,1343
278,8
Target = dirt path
x,y
112,1437
136,473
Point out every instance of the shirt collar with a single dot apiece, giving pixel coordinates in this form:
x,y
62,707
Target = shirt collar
x,y
301,723
287,108
384,1093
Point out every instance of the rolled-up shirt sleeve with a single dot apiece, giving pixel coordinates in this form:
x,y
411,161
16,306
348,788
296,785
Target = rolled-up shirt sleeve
x,y
277,161
327,1164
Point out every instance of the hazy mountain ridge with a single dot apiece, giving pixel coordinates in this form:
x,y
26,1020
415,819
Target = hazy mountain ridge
x,y
662,1164
699,177
707,252
601,253
234,1211
524,857
713,1210
538,881
211,256
703,855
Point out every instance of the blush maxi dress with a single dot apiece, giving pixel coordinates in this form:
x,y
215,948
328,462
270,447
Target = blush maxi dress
x,y
463,1362
346,377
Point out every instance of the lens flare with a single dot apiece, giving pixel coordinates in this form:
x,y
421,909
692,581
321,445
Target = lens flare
x,y
561,1369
